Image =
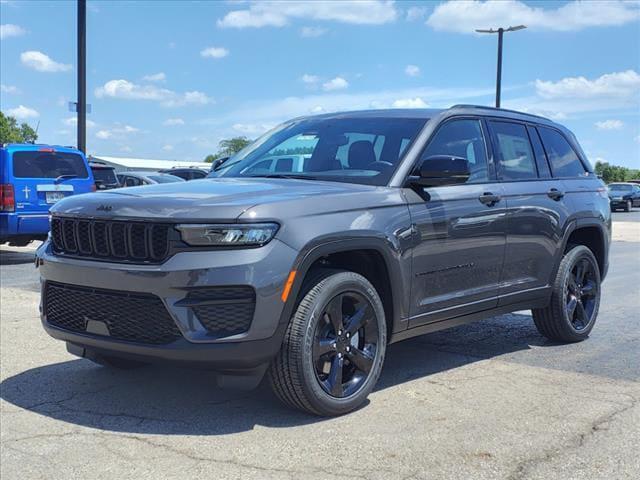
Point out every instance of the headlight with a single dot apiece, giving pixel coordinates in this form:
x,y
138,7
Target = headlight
x,y
247,234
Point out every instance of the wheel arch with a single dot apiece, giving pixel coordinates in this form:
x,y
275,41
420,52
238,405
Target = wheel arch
x,y
591,233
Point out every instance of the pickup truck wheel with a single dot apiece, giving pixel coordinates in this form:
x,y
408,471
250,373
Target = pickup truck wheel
x,y
575,298
334,346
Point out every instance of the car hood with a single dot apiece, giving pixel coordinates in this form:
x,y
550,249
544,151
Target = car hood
x,y
209,199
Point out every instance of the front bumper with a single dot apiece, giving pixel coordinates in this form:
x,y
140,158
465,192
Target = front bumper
x,y
264,269
621,203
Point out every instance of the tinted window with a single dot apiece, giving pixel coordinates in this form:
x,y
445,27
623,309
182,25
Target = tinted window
x,y
464,139
541,158
563,159
284,165
514,152
355,150
620,187
198,174
48,165
104,175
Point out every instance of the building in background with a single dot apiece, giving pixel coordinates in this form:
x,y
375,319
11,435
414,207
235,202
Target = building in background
x,y
123,164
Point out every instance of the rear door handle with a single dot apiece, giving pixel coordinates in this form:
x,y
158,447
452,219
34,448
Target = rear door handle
x,y
489,199
555,194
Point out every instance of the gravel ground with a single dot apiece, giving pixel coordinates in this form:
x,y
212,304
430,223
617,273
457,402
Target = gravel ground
x,y
491,399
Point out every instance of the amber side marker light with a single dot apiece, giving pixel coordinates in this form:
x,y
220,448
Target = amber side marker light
x,y
287,286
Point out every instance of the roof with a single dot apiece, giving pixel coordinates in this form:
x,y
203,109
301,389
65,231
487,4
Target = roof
x,y
37,146
427,113
148,163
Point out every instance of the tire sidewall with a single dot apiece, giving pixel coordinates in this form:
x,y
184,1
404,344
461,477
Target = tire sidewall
x,y
327,289
572,257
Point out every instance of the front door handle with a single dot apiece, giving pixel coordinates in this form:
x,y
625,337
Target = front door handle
x,y
489,199
555,194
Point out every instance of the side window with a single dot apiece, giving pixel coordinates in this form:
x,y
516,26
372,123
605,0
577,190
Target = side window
x,y
563,159
514,152
131,182
261,166
464,139
284,165
541,158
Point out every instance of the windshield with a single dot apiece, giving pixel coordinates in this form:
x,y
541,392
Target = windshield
x,y
620,187
166,178
48,165
353,150
105,175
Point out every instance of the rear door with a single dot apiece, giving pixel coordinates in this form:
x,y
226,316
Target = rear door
x,y
537,209
43,177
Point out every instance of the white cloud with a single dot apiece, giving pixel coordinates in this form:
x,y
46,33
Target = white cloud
x,y
337,83
310,79
465,17
171,122
252,129
10,30
214,52
416,102
279,14
126,148
22,113
312,32
412,70
124,89
42,63
155,77
167,148
10,89
619,84
609,125
118,131
73,121
104,134
416,13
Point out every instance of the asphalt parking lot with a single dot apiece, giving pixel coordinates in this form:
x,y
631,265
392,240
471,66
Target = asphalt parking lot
x,y
492,399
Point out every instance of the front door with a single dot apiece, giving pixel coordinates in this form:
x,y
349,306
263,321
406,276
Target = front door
x,y
457,259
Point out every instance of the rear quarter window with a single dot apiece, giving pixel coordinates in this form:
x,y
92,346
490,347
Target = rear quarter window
x,y
562,157
48,165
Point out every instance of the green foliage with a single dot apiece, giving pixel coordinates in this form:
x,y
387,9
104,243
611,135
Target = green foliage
x,y
228,147
615,173
10,132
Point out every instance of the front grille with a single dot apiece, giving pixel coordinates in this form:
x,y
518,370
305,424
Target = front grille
x,y
223,311
110,240
135,317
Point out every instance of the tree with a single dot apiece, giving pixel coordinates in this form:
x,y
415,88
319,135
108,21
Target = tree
x,y
615,173
10,132
228,147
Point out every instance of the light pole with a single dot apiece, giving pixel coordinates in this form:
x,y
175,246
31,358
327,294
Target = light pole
x,y
82,76
500,31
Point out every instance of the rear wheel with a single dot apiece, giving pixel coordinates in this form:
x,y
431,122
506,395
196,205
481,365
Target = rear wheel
x,y
334,346
575,299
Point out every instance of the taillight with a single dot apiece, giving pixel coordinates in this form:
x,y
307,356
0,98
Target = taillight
x,y
7,198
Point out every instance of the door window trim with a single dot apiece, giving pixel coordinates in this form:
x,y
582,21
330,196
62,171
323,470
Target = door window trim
x,y
584,163
496,147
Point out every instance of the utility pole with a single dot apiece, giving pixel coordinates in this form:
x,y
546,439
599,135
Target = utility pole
x,y
500,31
82,76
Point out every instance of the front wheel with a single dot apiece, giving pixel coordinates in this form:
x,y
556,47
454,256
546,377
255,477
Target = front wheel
x,y
575,298
334,346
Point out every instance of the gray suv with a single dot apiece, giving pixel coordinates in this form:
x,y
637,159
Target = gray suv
x,y
395,223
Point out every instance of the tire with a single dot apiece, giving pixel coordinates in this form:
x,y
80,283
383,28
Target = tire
x,y
303,377
628,205
114,362
575,298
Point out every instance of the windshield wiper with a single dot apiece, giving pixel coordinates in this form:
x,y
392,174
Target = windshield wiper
x,y
284,175
64,177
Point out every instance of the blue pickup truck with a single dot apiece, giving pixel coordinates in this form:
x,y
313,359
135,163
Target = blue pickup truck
x,y
32,178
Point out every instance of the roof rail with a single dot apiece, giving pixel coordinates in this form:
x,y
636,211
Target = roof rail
x,y
463,105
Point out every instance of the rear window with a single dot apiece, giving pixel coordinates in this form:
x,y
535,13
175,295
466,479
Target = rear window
x,y
165,178
104,175
48,165
563,159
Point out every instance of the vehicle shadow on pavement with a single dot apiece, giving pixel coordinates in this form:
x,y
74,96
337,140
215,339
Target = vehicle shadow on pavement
x,y
8,257
170,401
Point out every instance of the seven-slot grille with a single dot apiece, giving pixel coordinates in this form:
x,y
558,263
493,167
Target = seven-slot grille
x,y
110,240
132,316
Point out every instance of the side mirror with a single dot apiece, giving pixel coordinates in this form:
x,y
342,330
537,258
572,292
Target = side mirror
x,y
218,163
439,170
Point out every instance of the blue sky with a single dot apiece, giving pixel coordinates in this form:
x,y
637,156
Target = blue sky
x,y
171,79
